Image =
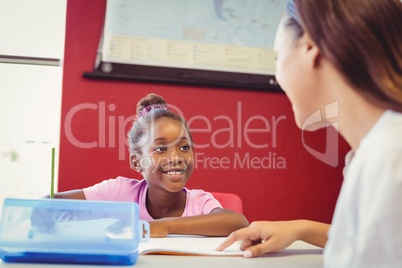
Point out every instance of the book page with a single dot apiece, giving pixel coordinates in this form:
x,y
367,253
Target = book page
x,y
188,245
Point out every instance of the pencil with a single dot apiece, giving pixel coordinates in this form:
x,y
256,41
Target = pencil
x,y
52,181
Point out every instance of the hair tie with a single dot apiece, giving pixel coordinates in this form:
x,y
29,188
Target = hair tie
x,y
150,108
293,11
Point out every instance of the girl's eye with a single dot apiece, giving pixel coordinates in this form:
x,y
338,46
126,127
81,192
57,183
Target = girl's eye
x,y
185,148
160,149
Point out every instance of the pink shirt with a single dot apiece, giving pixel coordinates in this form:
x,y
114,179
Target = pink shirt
x,y
131,190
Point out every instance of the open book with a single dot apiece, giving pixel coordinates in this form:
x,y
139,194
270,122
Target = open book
x,y
188,245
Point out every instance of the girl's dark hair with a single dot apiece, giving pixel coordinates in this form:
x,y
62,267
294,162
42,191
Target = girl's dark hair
x,y
143,123
363,41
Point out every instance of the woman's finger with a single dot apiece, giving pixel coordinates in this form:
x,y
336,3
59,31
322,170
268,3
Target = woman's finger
x,y
245,234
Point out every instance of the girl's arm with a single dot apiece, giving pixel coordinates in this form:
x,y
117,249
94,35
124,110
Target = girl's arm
x,y
44,219
220,222
73,194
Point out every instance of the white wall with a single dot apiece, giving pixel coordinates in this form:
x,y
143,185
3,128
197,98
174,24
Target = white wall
x,y
30,95
32,27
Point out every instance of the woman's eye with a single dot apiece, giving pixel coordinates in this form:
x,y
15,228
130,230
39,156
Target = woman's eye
x,y
160,149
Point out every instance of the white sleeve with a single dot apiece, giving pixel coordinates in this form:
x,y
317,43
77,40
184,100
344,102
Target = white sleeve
x,y
379,237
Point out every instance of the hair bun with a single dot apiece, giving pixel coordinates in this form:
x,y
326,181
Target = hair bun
x,y
150,99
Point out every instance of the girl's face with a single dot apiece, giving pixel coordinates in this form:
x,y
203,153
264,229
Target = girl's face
x,y
167,155
295,74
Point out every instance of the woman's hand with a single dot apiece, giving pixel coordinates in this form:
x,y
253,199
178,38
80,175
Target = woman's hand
x,y
269,236
262,237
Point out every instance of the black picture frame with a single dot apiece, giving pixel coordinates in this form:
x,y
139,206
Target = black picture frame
x,y
194,77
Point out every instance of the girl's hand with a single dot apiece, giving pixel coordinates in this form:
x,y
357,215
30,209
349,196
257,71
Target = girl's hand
x,y
159,228
45,219
263,237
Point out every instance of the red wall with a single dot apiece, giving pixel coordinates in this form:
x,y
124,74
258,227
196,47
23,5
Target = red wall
x,y
98,114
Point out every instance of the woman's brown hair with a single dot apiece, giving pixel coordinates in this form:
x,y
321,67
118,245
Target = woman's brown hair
x,y
363,41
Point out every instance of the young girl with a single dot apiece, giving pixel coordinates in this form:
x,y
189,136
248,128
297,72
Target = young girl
x,y
348,52
161,149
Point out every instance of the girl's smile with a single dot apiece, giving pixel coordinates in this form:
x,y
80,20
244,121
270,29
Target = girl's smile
x,y
175,172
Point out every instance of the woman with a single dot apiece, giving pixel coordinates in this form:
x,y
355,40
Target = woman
x,y
348,52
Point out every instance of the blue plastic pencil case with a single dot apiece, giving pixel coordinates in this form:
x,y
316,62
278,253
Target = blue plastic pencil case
x,y
71,231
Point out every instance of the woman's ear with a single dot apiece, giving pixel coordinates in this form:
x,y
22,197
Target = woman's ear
x,y
135,162
311,49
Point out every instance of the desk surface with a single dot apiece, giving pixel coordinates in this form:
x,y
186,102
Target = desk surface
x,y
298,255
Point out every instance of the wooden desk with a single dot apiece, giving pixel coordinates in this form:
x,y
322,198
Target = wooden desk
x,y
298,255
